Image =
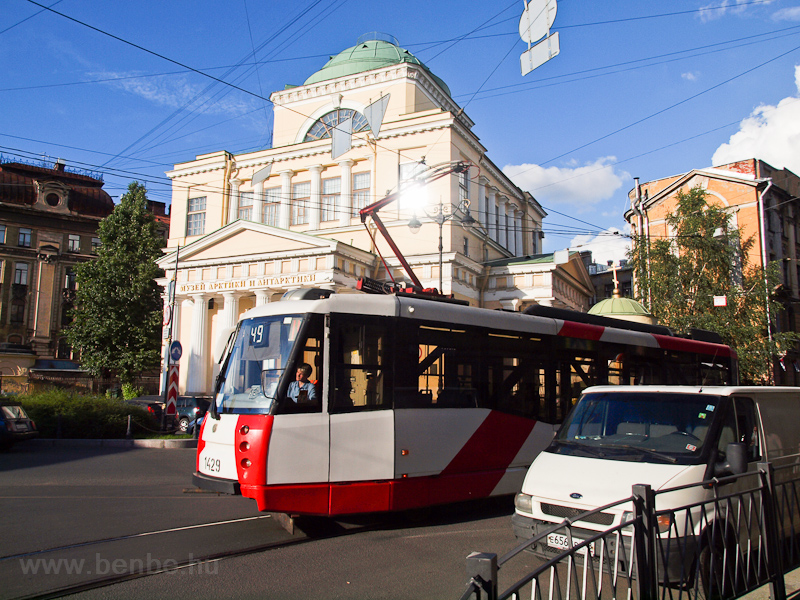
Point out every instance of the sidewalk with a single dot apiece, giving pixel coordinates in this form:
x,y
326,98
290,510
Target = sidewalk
x,y
791,580
152,443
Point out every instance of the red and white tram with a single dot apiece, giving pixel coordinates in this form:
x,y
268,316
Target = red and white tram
x,y
417,402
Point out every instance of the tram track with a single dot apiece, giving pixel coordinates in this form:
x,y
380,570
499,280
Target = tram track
x,y
75,568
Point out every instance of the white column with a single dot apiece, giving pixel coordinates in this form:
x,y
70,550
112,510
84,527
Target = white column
x,y
230,313
346,199
492,213
518,220
176,319
262,297
481,216
233,207
285,211
258,204
315,202
198,351
511,230
502,222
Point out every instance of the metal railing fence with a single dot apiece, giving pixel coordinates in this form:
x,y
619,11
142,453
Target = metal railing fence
x,y
739,533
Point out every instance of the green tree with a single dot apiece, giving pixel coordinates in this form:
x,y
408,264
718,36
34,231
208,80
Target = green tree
x,y
678,278
117,315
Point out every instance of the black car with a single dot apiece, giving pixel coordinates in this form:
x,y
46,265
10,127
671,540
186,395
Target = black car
x,y
189,408
152,404
15,425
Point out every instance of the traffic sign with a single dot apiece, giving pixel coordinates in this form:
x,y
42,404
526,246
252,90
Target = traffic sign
x,y
172,389
175,351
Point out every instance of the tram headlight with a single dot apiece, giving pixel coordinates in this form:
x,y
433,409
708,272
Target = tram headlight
x,y
244,446
246,463
523,503
244,429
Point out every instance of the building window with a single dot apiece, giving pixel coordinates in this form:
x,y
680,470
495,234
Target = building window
x,y
95,245
463,186
361,183
331,192
301,195
2,234
17,311
74,243
71,280
466,246
21,273
246,206
325,125
408,172
64,350
272,203
196,217
24,240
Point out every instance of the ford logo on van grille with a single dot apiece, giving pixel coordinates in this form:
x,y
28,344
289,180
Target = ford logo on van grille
x,y
576,495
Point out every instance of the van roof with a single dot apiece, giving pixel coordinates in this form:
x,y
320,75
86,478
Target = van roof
x,y
710,390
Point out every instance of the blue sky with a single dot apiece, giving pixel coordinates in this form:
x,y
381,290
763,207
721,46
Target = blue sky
x,y
640,89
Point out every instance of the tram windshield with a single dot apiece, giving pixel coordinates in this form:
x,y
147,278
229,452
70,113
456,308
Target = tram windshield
x,y
641,427
257,360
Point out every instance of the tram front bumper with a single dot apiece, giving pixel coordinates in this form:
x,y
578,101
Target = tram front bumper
x,y
215,484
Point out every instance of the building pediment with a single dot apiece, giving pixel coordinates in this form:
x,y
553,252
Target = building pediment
x,y
243,240
696,177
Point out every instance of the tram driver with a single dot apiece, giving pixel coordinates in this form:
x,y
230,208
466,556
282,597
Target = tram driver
x,y
302,390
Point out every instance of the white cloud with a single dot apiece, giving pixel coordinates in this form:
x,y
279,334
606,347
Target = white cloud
x,y
787,14
579,187
611,245
771,133
717,10
173,91
690,76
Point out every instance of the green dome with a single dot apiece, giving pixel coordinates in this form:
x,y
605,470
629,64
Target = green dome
x,y
622,308
373,51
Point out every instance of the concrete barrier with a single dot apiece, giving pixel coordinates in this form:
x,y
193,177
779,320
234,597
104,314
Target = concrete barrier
x,y
116,443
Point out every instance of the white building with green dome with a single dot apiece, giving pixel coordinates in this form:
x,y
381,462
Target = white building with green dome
x,y
252,226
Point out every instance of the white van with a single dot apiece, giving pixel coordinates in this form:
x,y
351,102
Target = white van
x,y
664,436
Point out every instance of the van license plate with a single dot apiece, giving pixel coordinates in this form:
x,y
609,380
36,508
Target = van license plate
x,y
556,540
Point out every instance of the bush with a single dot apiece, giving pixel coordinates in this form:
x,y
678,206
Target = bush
x,y
79,416
131,391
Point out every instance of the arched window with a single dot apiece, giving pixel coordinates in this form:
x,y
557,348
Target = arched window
x,y
324,125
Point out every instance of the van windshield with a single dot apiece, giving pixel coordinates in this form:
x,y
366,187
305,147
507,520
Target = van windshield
x,y
258,358
641,427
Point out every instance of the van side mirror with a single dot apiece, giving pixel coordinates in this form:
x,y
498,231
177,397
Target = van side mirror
x,y
735,462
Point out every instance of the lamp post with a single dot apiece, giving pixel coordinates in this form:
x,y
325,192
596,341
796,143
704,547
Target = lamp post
x,y
440,218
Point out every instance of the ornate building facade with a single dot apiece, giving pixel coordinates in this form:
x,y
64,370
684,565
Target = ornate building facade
x,y
246,228
48,224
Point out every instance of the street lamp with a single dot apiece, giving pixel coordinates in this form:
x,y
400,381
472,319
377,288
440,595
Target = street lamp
x,y
440,217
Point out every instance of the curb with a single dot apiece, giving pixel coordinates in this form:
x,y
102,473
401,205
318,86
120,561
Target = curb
x,y
155,443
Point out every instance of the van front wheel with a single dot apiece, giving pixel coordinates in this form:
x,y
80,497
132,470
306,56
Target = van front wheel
x,y
711,569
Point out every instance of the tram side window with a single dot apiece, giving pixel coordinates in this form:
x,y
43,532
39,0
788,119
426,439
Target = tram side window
x,y
359,356
448,369
516,371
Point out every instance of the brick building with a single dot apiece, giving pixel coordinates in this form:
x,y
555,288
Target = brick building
x,y
764,203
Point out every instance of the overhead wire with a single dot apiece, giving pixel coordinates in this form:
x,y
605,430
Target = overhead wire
x,y
219,80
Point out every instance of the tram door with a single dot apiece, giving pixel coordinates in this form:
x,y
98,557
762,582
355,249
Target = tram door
x,y
299,442
359,400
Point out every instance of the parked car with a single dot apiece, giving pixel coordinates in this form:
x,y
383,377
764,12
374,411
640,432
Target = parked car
x,y
189,408
198,422
152,404
15,425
